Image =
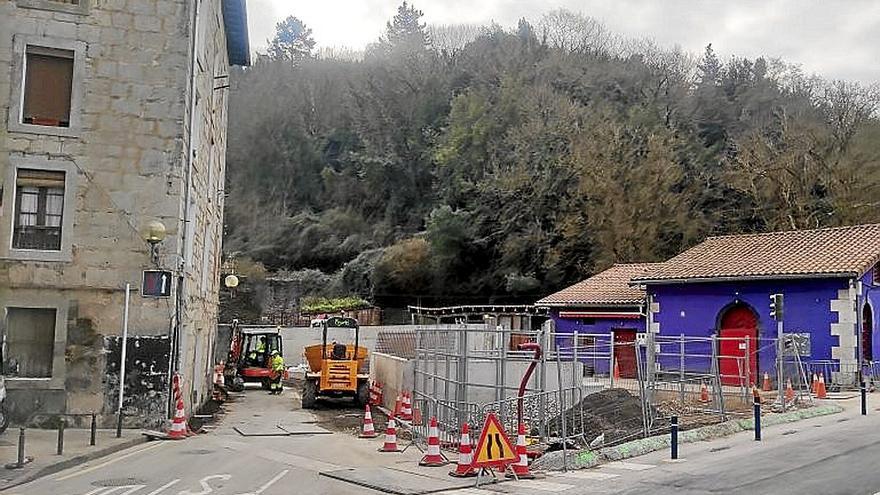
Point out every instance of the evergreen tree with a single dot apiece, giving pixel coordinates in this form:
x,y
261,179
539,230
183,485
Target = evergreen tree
x,y
292,42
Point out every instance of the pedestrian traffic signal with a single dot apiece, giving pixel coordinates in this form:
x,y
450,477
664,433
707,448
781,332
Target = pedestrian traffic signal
x,y
157,283
776,306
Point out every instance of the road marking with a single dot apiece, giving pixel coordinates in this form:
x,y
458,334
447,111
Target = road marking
x,y
163,487
105,490
629,466
544,486
105,464
588,475
203,483
471,491
271,482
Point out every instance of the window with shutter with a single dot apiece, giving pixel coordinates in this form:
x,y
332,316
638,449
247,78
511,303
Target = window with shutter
x,y
48,84
39,210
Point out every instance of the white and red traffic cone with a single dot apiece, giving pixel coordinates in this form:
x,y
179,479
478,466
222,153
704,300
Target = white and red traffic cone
x,y
521,466
814,387
368,430
178,424
789,391
406,410
433,457
379,395
464,468
704,393
374,394
390,444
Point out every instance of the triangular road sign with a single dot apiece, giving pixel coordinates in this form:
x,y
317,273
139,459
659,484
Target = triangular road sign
x,y
494,448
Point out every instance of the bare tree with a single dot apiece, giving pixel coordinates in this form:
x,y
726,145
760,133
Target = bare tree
x,y
575,33
451,38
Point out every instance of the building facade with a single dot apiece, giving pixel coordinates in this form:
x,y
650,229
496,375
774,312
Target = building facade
x,y
722,288
114,116
603,310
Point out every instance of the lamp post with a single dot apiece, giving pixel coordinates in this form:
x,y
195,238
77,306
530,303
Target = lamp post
x,y
154,233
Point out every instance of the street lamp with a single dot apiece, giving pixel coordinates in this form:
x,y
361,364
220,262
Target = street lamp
x,y
154,233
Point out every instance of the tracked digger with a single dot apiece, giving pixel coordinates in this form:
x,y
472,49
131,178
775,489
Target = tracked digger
x,y
336,369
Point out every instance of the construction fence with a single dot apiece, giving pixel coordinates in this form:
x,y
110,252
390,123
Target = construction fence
x,y
586,389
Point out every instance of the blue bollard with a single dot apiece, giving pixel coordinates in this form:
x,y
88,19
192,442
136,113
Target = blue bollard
x,y
673,430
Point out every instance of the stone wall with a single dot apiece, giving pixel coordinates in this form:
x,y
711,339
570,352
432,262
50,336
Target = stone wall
x,y
125,159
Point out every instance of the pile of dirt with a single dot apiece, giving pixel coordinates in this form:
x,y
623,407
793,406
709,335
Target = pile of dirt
x,y
341,414
615,412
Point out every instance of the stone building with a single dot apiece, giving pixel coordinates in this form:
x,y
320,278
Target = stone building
x,y
114,116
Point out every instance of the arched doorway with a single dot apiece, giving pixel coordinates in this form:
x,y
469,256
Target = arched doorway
x,y
737,345
867,333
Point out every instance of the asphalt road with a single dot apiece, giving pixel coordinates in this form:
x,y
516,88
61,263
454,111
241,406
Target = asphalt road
x,y
831,455
225,462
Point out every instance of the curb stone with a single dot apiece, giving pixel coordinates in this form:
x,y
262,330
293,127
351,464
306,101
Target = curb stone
x,y
587,458
73,461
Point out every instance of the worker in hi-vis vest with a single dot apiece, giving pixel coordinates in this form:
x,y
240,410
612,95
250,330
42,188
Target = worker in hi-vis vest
x,y
276,370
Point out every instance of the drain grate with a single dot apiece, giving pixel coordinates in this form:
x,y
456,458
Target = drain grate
x,y
119,482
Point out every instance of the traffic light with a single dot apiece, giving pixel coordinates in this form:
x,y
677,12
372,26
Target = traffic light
x,y
776,306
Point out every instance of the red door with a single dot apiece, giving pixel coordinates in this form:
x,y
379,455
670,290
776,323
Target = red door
x,y
625,352
737,339
867,334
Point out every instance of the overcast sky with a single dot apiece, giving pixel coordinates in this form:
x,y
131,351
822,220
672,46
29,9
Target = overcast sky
x,y
836,39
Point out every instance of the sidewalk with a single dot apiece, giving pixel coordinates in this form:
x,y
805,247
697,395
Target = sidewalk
x,y
41,445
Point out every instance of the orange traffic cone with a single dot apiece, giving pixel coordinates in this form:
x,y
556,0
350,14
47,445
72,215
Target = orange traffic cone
x,y
821,393
815,385
767,386
616,370
406,411
704,393
398,403
390,444
789,391
433,457
178,424
368,430
465,468
521,467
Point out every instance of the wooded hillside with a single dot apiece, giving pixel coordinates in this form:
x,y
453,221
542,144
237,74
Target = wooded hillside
x,y
463,164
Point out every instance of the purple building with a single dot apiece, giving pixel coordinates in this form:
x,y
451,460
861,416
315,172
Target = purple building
x,y
602,309
830,282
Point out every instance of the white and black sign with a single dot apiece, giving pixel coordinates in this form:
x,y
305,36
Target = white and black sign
x,y
157,283
796,344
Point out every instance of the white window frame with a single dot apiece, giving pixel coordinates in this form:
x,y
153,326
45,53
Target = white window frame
x,y
19,70
55,6
25,300
7,227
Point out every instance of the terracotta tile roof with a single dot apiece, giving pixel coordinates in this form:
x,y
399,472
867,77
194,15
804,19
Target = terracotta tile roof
x,y
838,251
608,288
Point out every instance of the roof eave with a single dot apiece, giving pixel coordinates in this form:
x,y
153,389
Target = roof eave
x,y
594,305
744,278
236,26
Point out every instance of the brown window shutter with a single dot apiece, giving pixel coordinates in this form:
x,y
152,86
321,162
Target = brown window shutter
x,y
40,178
48,86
